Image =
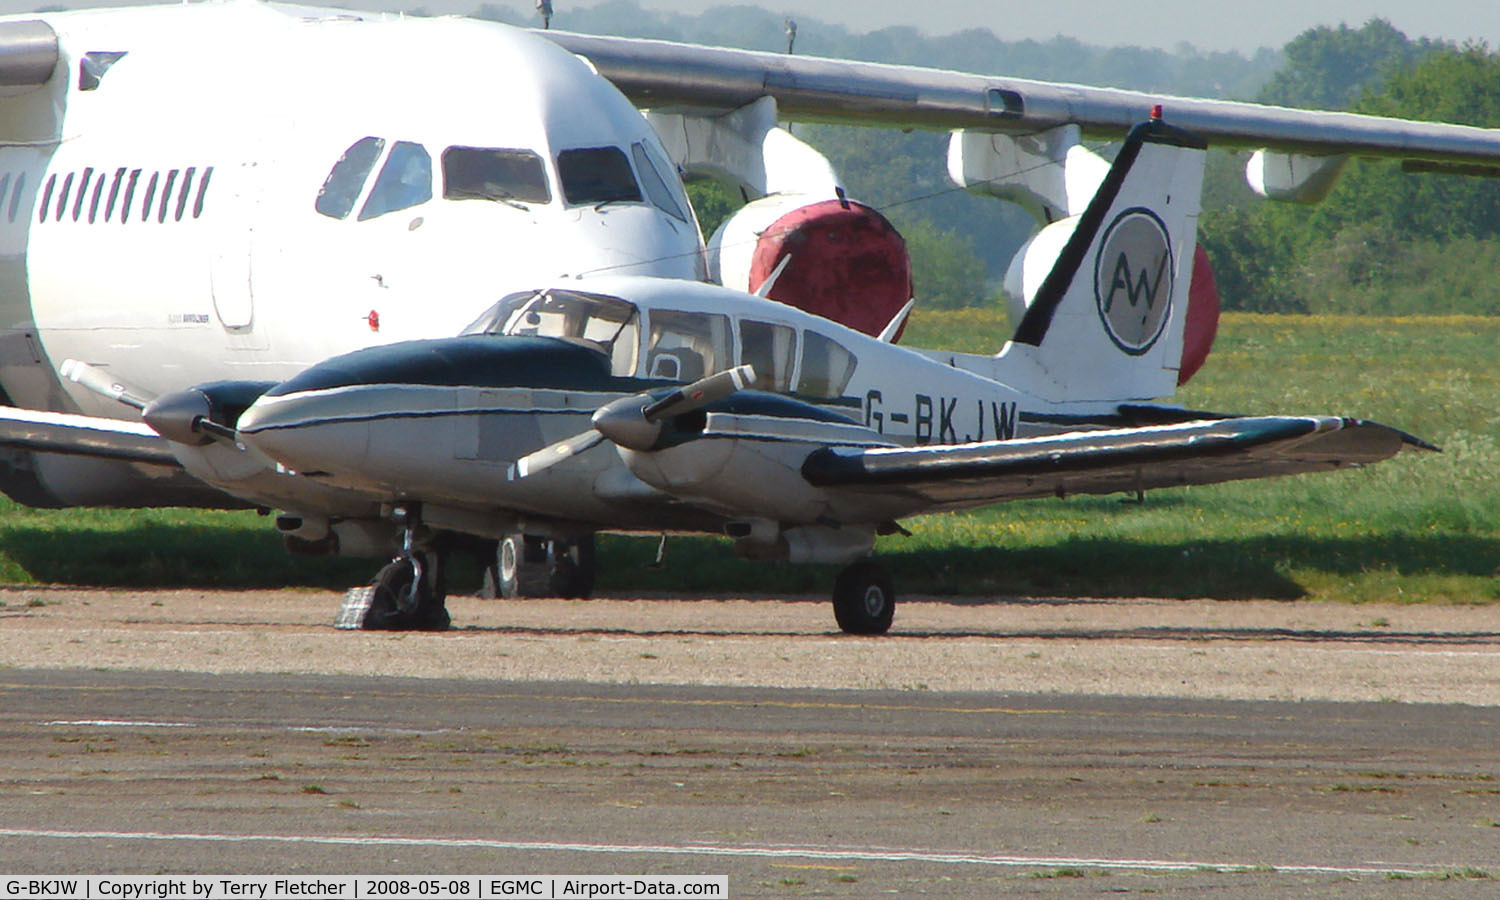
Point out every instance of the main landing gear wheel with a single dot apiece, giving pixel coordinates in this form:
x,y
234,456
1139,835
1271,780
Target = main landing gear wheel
x,y
530,566
864,601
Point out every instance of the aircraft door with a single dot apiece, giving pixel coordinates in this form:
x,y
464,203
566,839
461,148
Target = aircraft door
x,y
232,260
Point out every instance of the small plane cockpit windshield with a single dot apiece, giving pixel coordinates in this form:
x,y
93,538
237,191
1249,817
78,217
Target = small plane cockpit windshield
x,y
597,175
607,324
484,173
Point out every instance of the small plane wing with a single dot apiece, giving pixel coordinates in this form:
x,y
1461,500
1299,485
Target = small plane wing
x,y
674,77
30,429
1103,462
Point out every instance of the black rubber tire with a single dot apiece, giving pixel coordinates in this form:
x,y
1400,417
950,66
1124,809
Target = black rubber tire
x,y
864,601
522,568
571,570
391,584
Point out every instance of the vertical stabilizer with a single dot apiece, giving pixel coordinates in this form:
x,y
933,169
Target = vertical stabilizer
x,y
1107,321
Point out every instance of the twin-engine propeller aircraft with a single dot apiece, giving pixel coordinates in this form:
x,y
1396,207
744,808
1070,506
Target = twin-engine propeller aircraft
x,y
199,202
563,410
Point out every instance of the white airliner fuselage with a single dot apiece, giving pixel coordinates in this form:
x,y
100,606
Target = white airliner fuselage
x,y
240,190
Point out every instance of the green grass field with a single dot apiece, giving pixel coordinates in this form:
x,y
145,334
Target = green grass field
x,y
1421,528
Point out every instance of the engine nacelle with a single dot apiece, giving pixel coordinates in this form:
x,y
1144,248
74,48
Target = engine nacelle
x,y
1036,257
847,261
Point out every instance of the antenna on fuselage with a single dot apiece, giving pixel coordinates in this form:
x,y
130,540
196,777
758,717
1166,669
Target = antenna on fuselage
x,y
545,8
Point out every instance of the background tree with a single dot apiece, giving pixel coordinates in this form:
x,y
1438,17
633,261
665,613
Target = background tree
x,y
1385,240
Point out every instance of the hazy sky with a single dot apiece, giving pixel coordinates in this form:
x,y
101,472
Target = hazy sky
x,y
1209,24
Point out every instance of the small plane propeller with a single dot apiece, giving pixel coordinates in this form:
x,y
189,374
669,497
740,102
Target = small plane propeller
x,y
182,416
635,422
98,381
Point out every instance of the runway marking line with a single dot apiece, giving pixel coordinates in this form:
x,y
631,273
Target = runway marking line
x,y
118,723
824,854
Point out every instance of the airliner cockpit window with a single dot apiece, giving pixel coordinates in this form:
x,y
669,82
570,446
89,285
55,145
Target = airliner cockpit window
x,y
347,178
597,175
656,186
505,176
405,181
603,323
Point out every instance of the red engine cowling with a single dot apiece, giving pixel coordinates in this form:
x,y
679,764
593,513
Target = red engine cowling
x,y
1202,322
848,263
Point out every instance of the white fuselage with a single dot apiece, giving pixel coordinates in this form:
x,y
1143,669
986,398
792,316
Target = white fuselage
x,y
170,223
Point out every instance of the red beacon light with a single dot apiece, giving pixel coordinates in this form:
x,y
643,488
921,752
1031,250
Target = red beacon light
x,y
1156,112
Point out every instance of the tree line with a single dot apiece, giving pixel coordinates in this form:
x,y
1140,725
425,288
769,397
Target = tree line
x,y
1385,241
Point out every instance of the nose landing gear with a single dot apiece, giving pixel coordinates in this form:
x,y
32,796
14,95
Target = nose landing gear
x,y
408,593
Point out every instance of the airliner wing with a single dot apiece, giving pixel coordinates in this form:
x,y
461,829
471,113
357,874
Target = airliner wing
x,y
941,478
675,77
29,429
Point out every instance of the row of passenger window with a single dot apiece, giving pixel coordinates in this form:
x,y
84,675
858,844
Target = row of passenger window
x,y
589,175
99,195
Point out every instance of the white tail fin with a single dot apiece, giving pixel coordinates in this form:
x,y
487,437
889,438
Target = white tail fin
x,y
1107,322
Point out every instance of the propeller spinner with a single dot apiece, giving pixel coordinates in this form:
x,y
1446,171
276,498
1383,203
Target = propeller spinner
x,y
635,422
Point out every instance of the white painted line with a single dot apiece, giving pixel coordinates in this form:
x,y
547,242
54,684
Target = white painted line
x,y
834,854
118,723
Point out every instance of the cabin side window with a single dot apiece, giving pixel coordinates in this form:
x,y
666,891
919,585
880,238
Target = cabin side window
x,y
347,177
505,176
826,367
772,351
597,175
686,346
404,181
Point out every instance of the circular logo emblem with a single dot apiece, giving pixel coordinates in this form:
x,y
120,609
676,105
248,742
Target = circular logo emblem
x,y
1133,279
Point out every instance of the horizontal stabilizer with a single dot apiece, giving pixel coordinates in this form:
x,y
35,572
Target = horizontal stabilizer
x,y
30,429
1104,462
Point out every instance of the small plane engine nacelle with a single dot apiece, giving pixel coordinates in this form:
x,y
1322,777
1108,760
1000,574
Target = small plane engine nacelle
x,y
1035,259
847,261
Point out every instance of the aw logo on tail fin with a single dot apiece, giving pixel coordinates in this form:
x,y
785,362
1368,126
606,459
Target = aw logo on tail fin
x,y
1133,279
